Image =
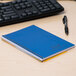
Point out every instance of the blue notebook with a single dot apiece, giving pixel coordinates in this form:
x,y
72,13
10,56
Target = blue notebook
x,y
37,42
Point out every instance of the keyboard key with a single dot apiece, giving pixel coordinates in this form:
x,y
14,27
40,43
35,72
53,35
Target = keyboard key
x,y
29,13
53,8
28,5
50,6
46,1
24,14
0,14
6,4
40,8
57,6
53,1
6,18
45,10
1,19
45,6
34,12
11,14
19,1
23,6
14,17
18,7
10,9
6,7
24,0
14,2
8,12
1,4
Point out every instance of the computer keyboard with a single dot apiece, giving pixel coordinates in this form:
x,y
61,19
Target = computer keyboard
x,y
24,10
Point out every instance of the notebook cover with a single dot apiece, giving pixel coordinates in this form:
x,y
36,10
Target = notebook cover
x,y
38,42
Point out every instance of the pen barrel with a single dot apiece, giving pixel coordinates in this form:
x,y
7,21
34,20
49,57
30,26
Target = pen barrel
x,y
66,30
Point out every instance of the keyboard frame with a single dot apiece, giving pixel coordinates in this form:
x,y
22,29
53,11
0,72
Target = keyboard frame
x,y
19,20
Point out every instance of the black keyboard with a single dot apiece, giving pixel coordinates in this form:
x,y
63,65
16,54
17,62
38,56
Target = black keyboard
x,y
24,10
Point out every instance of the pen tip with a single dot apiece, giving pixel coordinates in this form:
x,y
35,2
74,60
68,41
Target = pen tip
x,y
67,33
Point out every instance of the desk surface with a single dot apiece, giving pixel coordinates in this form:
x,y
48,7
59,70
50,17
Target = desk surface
x,y
16,63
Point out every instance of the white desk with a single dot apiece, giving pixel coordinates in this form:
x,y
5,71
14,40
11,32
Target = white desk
x,y
16,63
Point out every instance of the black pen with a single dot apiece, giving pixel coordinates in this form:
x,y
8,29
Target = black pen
x,y
65,22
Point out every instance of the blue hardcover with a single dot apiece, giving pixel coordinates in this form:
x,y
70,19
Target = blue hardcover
x,y
38,42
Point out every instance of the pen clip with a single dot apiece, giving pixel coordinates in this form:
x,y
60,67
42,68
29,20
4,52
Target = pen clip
x,y
64,19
